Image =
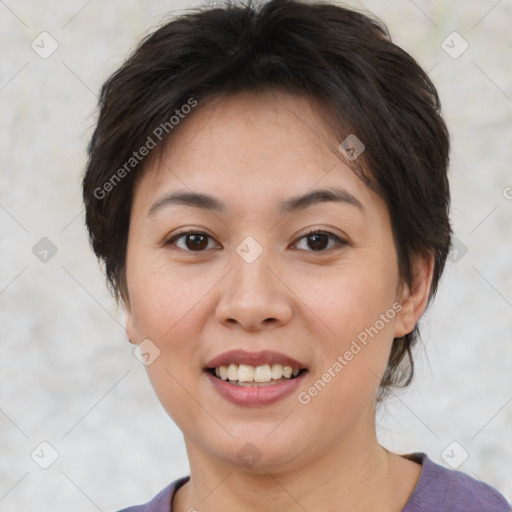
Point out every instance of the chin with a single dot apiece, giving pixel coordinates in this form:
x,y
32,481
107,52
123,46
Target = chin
x,y
256,451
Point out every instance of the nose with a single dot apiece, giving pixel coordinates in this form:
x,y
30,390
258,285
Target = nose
x,y
254,296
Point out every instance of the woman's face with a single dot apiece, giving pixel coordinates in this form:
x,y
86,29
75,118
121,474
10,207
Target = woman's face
x,y
247,287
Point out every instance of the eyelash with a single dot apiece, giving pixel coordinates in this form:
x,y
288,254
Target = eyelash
x,y
332,236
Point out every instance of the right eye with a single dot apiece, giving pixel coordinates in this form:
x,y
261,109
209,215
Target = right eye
x,y
194,241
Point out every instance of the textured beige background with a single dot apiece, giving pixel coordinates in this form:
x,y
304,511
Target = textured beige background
x,y
68,376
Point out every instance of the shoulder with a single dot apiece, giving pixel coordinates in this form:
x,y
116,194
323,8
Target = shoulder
x,y
443,489
162,501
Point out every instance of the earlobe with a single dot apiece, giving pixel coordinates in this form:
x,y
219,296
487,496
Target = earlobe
x,y
129,323
130,331
414,298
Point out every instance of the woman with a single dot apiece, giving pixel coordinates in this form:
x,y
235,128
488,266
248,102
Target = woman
x,y
267,189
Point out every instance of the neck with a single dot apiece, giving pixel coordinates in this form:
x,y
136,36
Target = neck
x,y
356,475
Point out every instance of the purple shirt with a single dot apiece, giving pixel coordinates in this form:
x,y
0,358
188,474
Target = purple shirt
x,y
438,490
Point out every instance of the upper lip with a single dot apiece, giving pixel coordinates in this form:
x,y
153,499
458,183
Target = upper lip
x,y
253,359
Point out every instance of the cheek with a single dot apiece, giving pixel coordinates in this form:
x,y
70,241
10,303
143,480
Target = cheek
x,y
173,387
355,298
168,304
163,306
163,297
359,308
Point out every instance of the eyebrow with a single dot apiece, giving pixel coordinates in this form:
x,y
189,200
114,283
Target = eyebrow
x,y
293,204
323,195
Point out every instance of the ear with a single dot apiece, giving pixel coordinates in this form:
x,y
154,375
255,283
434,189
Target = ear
x,y
414,298
129,322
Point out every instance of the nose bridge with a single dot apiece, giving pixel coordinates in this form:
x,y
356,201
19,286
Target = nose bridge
x,y
253,294
251,275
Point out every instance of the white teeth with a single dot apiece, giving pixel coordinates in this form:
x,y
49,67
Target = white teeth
x,y
232,372
262,373
245,373
277,371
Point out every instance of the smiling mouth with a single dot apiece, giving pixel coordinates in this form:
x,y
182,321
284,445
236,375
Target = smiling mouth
x,y
255,376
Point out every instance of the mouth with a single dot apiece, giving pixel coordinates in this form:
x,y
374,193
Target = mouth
x,y
242,368
254,378
257,376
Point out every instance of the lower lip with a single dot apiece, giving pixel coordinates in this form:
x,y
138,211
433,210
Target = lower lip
x,y
255,395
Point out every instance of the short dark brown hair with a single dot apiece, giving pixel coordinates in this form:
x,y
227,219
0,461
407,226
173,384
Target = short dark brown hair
x,y
338,56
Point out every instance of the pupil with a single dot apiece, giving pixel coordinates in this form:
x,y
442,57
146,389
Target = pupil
x,y
318,243
195,239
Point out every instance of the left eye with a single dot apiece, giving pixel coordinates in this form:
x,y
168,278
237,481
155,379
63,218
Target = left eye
x,y
195,241
320,239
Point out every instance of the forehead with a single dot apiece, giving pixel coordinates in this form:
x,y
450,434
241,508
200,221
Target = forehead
x,y
248,147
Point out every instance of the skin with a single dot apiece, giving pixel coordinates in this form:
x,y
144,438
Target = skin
x,y
251,151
